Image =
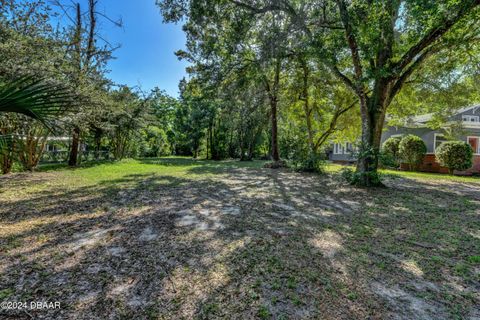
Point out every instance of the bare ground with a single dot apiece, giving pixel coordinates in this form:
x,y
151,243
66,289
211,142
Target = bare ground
x,y
240,244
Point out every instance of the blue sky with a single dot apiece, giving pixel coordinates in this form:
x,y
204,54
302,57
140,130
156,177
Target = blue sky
x,y
146,56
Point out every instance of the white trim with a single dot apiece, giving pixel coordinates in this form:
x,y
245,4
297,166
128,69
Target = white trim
x,y
470,119
435,140
421,120
478,144
337,148
342,148
345,148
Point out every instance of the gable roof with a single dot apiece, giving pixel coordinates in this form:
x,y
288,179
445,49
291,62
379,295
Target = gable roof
x,y
424,118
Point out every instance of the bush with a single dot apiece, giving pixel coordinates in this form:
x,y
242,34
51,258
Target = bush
x,y
389,156
276,164
354,178
455,155
309,162
411,150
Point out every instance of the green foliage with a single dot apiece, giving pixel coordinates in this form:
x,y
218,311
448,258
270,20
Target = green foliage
x,y
412,150
308,162
263,312
389,156
358,178
455,155
36,99
155,143
370,49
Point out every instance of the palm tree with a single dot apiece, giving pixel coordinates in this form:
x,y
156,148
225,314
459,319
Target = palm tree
x,y
36,99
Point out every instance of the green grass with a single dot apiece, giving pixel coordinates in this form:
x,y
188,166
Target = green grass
x,y
336,168
300,245
93,173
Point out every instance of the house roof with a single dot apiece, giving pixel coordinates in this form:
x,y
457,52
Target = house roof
x,y
424,118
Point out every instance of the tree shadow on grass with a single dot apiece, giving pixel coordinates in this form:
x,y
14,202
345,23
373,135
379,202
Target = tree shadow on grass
x,y
201,166
248,244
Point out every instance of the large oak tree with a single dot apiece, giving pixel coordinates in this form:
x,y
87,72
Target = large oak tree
x,y
373,47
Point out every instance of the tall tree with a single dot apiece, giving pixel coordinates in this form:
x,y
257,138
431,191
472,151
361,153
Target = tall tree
x,y
88,60
372,47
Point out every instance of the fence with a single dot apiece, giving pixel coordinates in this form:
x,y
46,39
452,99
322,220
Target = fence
x,y
84,156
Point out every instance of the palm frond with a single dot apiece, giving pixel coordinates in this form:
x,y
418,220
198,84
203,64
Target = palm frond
x,y
35,98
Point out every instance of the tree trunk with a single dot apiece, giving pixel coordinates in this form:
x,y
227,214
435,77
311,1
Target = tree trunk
x,y
6,158
211,142
306,105
73,158
208,141
273,95
250,150
98,142
373,117
7,155
273,106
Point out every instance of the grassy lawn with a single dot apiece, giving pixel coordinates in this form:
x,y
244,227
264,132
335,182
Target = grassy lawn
x,y
175,238
336,168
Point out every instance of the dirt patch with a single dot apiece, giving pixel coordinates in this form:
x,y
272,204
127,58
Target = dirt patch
x,y
243,244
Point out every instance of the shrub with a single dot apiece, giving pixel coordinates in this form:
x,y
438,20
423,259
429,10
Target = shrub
x,y
309,162
455,155
354,178
276,164
389,156
411,150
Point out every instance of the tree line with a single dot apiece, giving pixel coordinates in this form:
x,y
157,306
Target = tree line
x,y
324,70
54,89
267,79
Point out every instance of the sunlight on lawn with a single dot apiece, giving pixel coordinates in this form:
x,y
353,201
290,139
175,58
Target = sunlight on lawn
x,y
336,168
168,166
202,232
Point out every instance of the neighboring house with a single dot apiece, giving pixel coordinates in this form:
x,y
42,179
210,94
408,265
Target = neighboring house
x,y
342,152
469,118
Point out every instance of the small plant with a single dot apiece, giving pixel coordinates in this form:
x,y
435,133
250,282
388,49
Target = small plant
x,y
355,178
474,259
5,293
455,155
263,312
412,150
309,162
352,296
276,164
389,156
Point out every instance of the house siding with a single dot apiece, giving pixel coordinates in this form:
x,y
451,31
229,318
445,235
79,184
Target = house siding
x,y
471,112
430,163
428,136
342,157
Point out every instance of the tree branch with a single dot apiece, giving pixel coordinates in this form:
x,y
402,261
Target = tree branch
x,y
408,72
434,34
343,77
352,41
333,125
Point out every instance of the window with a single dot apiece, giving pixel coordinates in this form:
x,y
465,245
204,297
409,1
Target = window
x,y
474,142
347,148
343,148
468,118
438,140
337,148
